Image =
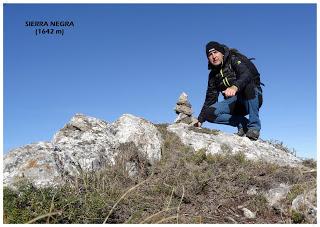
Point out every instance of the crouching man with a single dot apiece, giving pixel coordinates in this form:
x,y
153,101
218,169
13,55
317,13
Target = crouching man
x,y
237,78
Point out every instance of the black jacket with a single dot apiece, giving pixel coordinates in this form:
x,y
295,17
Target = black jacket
x,y
233,71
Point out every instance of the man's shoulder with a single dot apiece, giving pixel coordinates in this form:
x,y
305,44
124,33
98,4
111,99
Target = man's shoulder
x,y
236,61
233,57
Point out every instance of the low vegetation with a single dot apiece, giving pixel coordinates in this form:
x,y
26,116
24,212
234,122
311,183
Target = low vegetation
x,y
184,187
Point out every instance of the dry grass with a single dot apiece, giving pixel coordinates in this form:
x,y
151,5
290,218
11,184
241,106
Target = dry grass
x,y
184,187
204,130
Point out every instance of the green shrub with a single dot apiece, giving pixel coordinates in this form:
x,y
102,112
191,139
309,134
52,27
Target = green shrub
x,y
295,191
297,217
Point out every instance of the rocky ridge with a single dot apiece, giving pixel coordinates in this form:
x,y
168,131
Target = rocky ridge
x,y
88,143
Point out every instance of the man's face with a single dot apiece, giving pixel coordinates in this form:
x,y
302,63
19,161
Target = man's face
x,y
215,57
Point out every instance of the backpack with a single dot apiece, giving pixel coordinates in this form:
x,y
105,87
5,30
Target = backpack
x,y
249,64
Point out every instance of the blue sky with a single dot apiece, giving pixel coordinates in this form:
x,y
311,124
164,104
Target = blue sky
x,y
139,58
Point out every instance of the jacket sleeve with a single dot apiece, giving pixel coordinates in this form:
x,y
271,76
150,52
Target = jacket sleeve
x,y
212,95
243,74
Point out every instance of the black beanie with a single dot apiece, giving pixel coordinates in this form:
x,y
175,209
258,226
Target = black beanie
x,y
214,46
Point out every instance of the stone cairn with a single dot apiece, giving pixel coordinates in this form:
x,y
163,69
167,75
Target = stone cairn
x,y
184,111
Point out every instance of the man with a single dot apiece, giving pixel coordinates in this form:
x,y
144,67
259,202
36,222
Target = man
x,y
239,81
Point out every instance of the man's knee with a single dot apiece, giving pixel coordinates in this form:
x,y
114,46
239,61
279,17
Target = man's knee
x,y
211,114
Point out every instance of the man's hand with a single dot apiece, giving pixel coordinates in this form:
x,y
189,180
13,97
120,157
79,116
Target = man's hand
x,y
230,91
198,124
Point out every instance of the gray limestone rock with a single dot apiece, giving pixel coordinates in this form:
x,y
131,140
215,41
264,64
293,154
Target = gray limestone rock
x,y
184,111
223,142
183,99
87,143
83,144
306,204
183,105
248,213
142,133
276,194
34,163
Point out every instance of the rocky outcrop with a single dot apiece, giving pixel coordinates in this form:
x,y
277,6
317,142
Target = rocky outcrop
x,y
83,144
142,133
87,143
220,142
34,162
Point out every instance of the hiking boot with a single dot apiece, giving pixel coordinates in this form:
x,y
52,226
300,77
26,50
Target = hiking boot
x,y
253,134
240,132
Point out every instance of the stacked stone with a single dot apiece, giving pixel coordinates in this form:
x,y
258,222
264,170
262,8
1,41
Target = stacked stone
x,y
184,110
